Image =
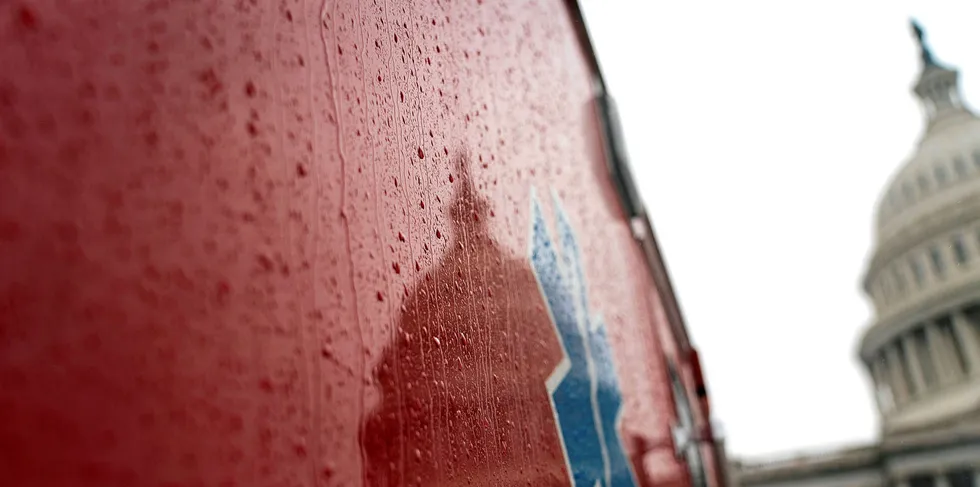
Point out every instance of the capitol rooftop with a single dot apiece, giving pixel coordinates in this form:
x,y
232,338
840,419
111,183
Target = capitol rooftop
x,y
922,347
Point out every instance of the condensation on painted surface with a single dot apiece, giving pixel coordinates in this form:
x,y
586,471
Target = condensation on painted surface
x,y
277,243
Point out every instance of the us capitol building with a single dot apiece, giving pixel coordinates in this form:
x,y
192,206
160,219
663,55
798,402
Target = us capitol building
x,y
922,349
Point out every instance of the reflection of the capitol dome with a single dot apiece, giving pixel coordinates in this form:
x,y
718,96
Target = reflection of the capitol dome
x,y
463,394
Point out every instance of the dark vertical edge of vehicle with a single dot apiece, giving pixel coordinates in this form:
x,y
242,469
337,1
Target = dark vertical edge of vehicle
x,y
620,173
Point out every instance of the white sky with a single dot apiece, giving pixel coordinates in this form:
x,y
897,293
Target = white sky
x,y
761,135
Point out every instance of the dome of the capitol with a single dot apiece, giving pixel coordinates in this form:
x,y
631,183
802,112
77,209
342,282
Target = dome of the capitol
x,y
947,155
923,348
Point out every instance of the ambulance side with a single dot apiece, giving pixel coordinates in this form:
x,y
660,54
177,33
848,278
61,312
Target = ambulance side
x,y
304,243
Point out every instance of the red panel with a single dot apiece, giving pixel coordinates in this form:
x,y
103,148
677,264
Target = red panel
x,y
285,243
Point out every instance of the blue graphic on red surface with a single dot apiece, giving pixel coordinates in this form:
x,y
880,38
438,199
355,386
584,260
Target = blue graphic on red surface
x,y
584,387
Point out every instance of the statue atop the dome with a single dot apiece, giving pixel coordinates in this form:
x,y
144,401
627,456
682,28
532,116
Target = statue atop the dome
x,y
923,48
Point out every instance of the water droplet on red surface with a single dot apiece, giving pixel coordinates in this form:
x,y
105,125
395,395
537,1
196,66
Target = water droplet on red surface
x,y
27,18
265,262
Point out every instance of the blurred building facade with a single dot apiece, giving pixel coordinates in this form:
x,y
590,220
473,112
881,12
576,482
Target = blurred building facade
x,y
922,350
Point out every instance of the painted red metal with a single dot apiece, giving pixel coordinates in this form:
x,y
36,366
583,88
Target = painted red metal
x,y
285,243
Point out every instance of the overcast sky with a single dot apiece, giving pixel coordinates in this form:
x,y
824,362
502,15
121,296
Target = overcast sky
x,y
762,134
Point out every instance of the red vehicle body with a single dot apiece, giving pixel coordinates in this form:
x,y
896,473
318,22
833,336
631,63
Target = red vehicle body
x,y
294,243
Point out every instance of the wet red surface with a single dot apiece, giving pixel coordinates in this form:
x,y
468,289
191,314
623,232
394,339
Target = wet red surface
x,y
237,246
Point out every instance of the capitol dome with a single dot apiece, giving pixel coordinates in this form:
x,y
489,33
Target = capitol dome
x,y
923,348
